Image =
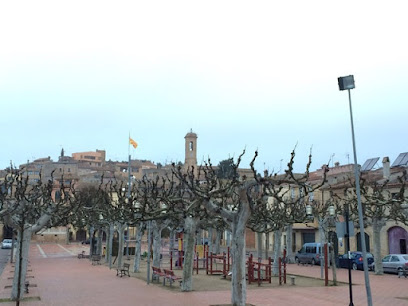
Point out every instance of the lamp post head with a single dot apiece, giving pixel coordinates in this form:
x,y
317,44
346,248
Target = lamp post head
x,y
346,82
309,210
332,210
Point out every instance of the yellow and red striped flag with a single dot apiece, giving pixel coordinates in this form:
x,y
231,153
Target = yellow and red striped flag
x,y
133,143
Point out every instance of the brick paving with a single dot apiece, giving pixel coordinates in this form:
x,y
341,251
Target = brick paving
x,y
63,279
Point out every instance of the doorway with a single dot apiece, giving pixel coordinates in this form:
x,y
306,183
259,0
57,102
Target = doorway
x,y
403,246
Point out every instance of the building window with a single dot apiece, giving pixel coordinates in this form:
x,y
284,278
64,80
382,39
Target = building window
x,y
191,146
69,169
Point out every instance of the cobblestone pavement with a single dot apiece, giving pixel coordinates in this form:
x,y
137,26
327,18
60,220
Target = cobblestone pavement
x,y
4,258
59,278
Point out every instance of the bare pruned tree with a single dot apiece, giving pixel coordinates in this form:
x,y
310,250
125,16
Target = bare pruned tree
x,y
243,202
185,209
276,208
30,207
383,200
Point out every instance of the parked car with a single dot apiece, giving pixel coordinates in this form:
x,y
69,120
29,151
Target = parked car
x,y
87,241
356,260
204,241
310,253
394,263
6,244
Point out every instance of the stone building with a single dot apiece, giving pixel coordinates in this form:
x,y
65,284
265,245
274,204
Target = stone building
x,y
393,235
93,159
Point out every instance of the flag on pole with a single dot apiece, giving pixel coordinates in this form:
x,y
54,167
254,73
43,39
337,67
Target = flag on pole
x,y
133,143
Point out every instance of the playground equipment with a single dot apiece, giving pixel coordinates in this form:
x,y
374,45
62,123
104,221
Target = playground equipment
x,y
200,252
259,272
282,268
212,263
177,251
178,260
223,260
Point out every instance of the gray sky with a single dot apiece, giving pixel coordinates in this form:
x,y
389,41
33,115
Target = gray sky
x,y
242,74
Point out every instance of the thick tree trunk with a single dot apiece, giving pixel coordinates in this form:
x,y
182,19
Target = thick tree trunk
x,y
210,240
121,230
377,226
238,252
110,243
267,245
323,240
21,263
228,238
218,242
138,247
259,245
190,226
238,281
237,221
99,242
67,235
198,236
156,243
277,236
25,232
13,245
289,242
91,241
106,257
322,231
171,244
127,238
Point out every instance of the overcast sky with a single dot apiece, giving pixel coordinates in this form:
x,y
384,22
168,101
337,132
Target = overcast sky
x,y
81,75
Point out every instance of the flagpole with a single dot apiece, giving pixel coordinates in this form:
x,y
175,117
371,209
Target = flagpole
x,y
129,168
128,196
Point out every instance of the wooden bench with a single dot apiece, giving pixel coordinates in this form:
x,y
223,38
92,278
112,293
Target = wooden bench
x,y
96,260
169,274
157,272
82,255
402,272
124,270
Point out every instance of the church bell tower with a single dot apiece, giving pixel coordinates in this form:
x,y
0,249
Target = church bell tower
x,y
191,151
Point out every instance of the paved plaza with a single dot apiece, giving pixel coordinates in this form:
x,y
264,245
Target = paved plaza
x,y
59,278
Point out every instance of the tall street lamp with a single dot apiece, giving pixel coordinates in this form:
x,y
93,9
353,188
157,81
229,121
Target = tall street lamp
x,y
347,236
347,83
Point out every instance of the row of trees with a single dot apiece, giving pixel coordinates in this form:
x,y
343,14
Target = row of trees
x,y
383,200
190,200
28,208
201,199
